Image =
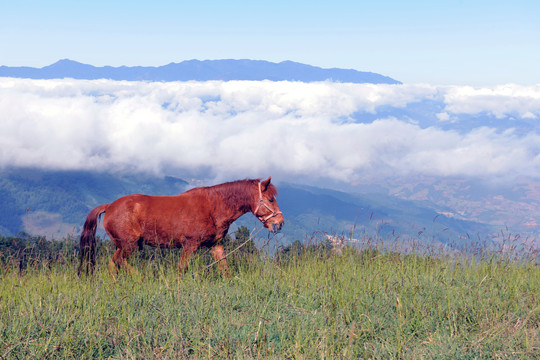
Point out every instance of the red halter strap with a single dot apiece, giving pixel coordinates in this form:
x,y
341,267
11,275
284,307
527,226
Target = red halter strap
x,y
263,204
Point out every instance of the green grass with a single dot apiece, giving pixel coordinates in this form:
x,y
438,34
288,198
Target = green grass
x,y
316,305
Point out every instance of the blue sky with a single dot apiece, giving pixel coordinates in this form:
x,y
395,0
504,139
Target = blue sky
x,y
438,42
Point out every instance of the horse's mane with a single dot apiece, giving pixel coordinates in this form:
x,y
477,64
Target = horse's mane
x,y
237,193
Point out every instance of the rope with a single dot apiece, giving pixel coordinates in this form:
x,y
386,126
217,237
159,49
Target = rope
x,y
233,251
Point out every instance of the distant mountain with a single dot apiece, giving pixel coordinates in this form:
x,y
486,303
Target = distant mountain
x,y
56,203
198,70
512,206
312,210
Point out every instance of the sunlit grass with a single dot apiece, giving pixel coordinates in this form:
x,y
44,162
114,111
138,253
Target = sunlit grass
x,y
316,304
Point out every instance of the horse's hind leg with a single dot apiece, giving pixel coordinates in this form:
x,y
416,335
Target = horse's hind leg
x,y
126,238
113,263
218,252
185,258
119,259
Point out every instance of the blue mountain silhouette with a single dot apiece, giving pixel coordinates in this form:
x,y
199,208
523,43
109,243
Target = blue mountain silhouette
x,y
198,70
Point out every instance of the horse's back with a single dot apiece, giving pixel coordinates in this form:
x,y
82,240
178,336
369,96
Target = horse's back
x,y
158,219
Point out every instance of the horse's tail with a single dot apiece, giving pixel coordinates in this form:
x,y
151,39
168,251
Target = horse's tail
x,y
88,239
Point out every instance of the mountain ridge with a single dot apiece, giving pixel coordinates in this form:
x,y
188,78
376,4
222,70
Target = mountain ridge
x,y
56,203
198,70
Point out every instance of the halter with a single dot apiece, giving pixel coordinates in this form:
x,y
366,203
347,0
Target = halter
x,y
262,203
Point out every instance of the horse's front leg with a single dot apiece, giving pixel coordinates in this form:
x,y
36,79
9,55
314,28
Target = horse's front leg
x,y
218,252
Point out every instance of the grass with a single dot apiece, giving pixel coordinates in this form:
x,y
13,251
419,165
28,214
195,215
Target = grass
x,y
358,304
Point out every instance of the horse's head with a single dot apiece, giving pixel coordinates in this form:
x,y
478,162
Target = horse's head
x,y
266,208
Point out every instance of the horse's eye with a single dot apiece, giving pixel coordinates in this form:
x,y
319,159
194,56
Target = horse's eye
x,y
271,200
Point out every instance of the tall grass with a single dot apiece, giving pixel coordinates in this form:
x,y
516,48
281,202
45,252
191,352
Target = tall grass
x,y
360,303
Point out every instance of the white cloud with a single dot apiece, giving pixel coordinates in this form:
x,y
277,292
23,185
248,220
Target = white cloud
x,y
500,101
444,116
243,129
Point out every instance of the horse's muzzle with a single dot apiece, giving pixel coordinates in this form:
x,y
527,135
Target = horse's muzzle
x,y
276,227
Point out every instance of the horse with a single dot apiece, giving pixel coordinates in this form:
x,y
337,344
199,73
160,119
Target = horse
x,y
199,217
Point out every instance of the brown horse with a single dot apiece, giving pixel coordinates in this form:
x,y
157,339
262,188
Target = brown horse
x,y
198,217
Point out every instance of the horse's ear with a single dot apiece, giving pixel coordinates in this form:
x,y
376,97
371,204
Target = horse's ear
x,y
266,183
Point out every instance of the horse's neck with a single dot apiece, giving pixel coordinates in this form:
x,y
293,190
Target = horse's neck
x,y
230,206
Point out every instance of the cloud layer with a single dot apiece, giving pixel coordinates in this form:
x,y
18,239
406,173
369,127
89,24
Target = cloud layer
x,y
241,129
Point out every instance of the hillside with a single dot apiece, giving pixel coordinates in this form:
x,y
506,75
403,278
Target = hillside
x,y
198,70
56,203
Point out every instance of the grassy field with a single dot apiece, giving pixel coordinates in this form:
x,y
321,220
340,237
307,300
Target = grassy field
x,y
357,304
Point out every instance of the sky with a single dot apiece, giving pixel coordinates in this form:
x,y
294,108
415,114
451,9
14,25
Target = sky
x,y
475,42
468,107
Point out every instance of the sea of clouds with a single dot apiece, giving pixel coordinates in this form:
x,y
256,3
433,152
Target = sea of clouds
x,y
238,129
